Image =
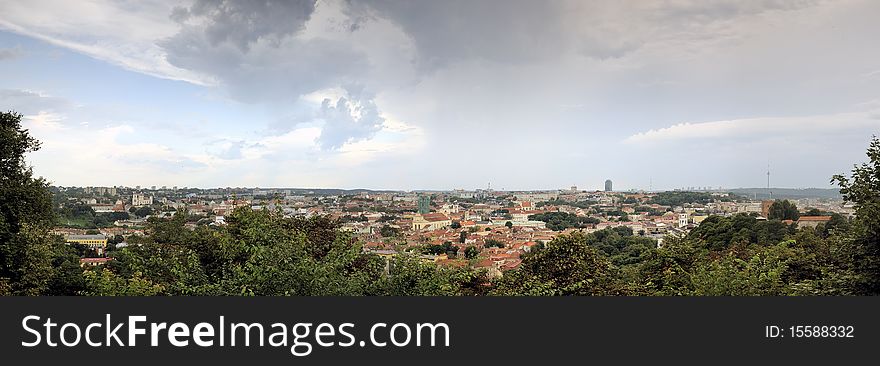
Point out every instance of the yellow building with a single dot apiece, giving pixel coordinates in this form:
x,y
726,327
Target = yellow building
x,y
431,221
96,242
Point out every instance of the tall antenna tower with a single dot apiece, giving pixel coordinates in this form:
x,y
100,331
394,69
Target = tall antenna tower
x,y
768,181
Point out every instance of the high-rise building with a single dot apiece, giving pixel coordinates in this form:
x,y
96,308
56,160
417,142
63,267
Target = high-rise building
x,y
608,186
424,204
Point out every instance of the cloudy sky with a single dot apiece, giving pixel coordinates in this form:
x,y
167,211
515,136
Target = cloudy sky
x,y
443,94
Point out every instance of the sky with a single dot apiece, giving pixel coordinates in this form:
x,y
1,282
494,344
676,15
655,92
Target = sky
x,y
408,95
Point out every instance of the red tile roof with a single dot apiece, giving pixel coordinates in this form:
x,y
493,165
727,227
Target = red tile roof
x,y
815,218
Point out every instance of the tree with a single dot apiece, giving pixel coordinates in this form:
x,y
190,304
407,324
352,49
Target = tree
x,y
816,212
562,220
105,283
568,265
783,210
508,224
680,198
446,248
462,237
389,231
669,271
116,216
862,188
717,233
143,211
25,213
471,252
489,243
455,225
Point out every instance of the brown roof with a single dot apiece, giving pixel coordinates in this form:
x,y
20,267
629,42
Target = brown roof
x,y
435,217
815,218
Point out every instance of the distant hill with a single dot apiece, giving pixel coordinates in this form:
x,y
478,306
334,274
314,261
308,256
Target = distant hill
x,y
788,193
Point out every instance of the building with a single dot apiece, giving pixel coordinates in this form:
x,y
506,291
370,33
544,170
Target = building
x,y
96,242
537,196
813,221
609,187
424,204
92,261
431,221
138,199
765,207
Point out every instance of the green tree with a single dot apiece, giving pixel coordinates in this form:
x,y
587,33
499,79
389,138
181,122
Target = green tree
x,y
25,214
143,211
562,220
862,188
471,252
680,198
783,210
389,231
489,243
567,265
669,270
103,282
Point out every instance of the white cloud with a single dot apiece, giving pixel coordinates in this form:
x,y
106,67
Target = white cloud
x,y
77,154
757,128
122,33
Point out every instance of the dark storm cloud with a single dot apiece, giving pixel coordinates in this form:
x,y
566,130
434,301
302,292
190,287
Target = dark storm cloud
x,y
507,31
253,49
245,22
274,74
522,31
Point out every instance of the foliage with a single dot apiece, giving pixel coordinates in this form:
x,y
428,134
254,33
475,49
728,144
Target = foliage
x,y
389,231
862,188
619,244
562,220
676,198
446,248
143,211
493,243
783,210
25,214
471,252
719,233
568,265
105,283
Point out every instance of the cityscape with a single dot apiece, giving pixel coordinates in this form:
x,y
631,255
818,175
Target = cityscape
x,y
482,228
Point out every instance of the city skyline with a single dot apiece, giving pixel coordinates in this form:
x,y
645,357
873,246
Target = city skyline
x,y
376,95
